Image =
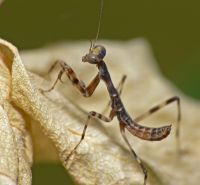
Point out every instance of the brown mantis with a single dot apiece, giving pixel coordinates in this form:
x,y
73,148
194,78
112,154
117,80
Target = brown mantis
x,y
95,56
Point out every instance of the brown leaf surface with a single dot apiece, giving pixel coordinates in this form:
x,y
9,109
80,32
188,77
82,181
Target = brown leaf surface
x,y
102,158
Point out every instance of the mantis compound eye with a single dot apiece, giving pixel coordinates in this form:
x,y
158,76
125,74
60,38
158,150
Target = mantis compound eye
x,y
99,51
95,55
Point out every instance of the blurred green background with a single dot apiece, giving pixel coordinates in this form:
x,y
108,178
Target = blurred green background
x,y
171,27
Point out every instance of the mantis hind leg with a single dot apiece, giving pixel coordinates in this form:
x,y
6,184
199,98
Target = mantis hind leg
x,y
138,160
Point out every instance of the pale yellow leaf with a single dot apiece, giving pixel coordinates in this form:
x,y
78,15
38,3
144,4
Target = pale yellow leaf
x,y
103,157
15,143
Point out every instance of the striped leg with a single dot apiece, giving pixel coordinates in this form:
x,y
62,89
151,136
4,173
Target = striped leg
x,y
122,126
121,84
80,85
119,88
161,105
90,115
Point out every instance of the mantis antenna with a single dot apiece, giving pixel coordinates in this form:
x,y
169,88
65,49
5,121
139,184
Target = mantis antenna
x,y
99,23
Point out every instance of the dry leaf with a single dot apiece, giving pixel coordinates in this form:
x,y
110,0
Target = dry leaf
x,y
102,158
15,143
